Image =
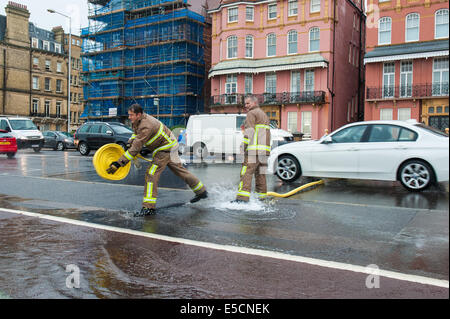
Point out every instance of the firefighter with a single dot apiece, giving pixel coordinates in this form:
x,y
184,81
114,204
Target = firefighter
x,y
256,146
155,136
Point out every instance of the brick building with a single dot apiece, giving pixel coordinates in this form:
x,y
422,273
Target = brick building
x,y
302,59
33,70
406,63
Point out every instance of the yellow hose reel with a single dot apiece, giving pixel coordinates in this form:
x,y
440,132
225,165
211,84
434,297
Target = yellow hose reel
x,y
104,156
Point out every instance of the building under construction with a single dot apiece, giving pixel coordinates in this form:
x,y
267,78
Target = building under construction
x,y
150,52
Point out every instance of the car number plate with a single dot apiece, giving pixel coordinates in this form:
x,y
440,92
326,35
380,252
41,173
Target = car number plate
x,y
34,145
5,143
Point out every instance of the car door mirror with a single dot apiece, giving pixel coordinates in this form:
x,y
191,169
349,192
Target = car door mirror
x,y
8,129
108,132
327,140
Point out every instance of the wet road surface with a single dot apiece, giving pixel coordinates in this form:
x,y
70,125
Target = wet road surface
x,y
347,222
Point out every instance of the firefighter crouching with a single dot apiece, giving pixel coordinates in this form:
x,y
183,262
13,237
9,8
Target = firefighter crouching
x,y
256,151
156,137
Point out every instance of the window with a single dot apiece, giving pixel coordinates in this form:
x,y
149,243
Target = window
x,y
384,30
47,84
292,8
404,114
412,27
306,123
271,83
292,121
35,62
272,11
232,47
248,84
271,44
58,109
233,14
249,13
383,133
441,24
231,89
352,134
406,76
35,106
315,6
386,114
249,46
309,80
58,67
47,108
48,64
292,42
388,80
35,83
47,45
58,86
57,47
440,76
78,42
34,43
295,82
314,39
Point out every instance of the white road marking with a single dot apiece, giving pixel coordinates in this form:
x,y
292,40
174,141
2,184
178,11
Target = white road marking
x,y
243,250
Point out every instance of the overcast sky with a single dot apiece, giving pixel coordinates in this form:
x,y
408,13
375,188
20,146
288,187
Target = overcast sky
x,y
76,9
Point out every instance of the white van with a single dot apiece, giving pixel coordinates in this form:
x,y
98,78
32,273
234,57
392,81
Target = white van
x,y
24,130
222,134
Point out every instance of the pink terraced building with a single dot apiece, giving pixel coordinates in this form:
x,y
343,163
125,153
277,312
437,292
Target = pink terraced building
x,y
406,61
302,59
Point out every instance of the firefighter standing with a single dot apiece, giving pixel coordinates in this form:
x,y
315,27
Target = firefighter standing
x,y
155,136
256,151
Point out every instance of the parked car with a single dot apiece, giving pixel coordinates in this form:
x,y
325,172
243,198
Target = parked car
x,y
409,152
222,134
93,135
8,144
24,130
58,140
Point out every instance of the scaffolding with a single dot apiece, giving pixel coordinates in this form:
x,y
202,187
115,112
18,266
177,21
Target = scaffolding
x,y
149,52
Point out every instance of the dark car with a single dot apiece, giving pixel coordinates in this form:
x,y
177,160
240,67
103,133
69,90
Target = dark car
x,y
93,135
58,140
8,144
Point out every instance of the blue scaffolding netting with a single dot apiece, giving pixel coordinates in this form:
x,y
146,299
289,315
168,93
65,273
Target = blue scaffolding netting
x,y
149,52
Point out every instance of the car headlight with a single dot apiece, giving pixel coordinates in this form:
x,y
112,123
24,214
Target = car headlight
x,y
66,140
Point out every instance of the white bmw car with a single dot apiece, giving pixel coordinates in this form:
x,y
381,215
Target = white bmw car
x,y
409,152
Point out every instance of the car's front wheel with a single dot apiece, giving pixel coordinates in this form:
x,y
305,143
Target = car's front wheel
x,y
416,175
84,149
60,146
288,168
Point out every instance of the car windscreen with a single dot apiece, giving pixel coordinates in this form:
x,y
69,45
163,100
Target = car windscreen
x,y
121,129
22,125
431,129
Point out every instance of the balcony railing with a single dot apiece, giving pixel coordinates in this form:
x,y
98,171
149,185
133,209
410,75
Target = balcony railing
x,y
407,91
306,97
47,115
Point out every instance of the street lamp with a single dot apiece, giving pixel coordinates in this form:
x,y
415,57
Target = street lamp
x,y
70,64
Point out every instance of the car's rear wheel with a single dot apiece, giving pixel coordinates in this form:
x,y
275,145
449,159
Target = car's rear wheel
x,y
416,175
288,168
10,155
122,145
84,149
